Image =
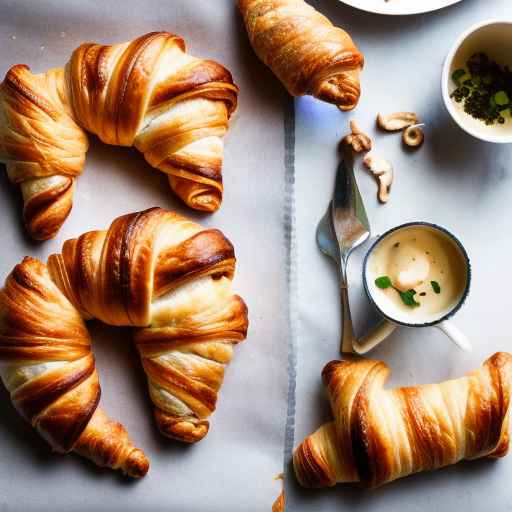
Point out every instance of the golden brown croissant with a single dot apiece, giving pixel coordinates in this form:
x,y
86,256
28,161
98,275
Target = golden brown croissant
x,y
148,93
47,365
380,435
306,52
170,278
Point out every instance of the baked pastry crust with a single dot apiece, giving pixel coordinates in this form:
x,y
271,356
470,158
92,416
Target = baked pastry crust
x,y
303,48
156,271
380,435
148,93
47,365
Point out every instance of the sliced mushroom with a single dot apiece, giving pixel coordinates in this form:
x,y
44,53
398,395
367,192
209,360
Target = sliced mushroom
x,y
383,171
413,135
397,121
357,139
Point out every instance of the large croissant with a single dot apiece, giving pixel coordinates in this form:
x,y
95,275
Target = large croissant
x,y
380,435
154,270
47,365
148,93
306,52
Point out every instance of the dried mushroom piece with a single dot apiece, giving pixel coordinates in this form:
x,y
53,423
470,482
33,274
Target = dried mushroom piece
x,y
413,135
383,172
357,139
397,121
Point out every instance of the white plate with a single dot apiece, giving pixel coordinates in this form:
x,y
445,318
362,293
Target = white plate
x,y
395,7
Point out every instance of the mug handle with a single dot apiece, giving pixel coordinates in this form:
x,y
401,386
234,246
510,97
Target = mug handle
x,y
377,335
456,335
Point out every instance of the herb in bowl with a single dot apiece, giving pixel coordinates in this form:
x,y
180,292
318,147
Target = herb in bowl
x,y
484,88
436,287
407,297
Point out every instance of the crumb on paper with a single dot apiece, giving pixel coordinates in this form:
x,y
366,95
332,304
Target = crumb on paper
x,y
279,503
13,37
63,34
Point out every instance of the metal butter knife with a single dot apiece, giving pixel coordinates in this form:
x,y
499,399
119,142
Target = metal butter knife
x,y
344,227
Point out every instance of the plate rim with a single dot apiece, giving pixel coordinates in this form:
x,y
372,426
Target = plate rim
x,y
357,5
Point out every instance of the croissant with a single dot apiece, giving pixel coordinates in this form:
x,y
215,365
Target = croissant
x,y
306,52
154,270
380,435
148,93
47,365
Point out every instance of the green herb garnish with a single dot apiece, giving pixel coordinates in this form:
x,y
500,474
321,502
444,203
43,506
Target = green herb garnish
x,y
458,74
501,98
383,282
484,89
407,297
435,287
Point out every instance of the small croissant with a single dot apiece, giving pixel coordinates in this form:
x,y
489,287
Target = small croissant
x,y
148,93
46,364
379,435
303,48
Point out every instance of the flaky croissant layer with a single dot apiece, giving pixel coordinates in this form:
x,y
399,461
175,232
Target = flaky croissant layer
x,y
148,93
303,48
48,368
380,435
154,270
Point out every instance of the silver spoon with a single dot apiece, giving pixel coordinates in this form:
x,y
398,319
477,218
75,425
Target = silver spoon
x,y
344,227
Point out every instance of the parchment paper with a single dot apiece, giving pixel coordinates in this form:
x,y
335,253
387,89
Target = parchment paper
x,y
454,180
234,466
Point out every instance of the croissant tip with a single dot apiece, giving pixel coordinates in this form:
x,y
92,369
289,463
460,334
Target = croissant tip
x,y
206,203
42,235
41,227
188,430
44,225
347,108
329,369
309,472
137,464
342,90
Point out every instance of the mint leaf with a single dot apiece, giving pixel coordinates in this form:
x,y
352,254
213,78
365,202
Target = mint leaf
x,y
435,286
408,298
383,282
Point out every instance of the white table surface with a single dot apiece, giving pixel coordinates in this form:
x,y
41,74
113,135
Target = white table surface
x,y
453,180
234,466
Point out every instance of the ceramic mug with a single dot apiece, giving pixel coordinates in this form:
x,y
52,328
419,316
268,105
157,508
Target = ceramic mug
x,y
442,320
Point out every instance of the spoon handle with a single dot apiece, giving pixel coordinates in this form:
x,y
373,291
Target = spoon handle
x,y
347,328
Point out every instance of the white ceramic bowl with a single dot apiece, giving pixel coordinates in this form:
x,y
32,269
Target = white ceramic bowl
x,y
493,37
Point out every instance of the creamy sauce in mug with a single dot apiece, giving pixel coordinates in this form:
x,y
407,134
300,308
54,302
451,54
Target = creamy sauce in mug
x,y
413,258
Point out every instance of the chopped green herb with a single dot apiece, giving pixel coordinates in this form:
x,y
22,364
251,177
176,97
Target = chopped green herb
x,y
383,282
501,98
484,89
458,74
435,286
408,298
